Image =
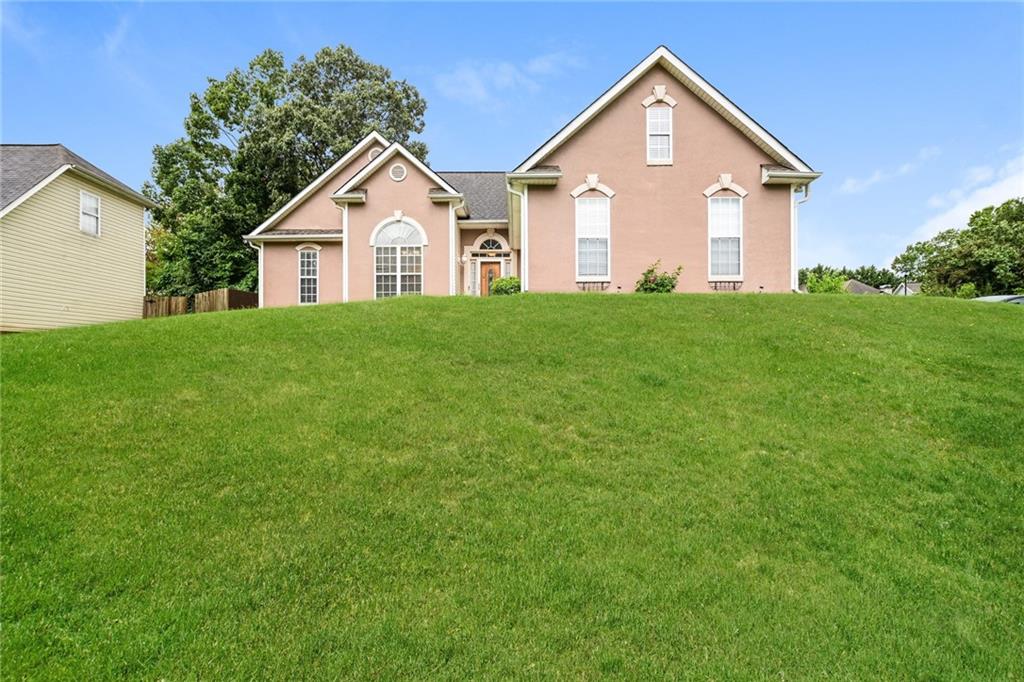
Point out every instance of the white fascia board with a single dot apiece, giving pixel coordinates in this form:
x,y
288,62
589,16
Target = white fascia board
x,y
306,236
787,177
382,158
374,136
690,79
35,188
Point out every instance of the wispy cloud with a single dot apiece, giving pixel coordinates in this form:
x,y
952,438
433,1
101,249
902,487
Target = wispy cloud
x,y
972,195
484,84
14,27
113,40
858,185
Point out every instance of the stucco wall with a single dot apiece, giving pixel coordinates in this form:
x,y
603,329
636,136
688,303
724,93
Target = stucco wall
x,y
281,272
318,211
54,275
659,211
384,197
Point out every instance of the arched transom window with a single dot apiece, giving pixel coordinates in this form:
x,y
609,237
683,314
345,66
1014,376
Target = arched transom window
x,y
491,245
398,260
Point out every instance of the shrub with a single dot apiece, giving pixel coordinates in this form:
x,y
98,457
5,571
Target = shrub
x,y
968,290
654,282
506,286
825,283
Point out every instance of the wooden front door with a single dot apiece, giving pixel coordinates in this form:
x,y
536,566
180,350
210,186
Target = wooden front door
x,y
488,273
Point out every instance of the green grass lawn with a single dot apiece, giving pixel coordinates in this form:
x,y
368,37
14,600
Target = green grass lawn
x,y
730,486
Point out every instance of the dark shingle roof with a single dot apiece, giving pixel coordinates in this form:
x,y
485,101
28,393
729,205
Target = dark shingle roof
x,y
485,192
23,166
854,286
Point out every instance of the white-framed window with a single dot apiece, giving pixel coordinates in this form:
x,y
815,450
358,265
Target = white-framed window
x,y
593,239
725,238
398,261
89,213
309,276
659,134
397,172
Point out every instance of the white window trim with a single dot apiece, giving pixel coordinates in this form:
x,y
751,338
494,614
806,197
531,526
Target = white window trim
x,y
299,250
576,243
671,136
725,278
99,212
398,270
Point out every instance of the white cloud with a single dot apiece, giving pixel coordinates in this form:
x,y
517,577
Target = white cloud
x,y
858,185
484,83
15,28
112,41
1007,183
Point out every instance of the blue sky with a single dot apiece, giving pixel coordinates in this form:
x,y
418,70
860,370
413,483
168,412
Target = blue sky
x,y
915,112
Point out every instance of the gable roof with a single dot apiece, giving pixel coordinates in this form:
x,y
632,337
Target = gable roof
x,y
27,168
324,177
485,192
382,158
855,286
700,87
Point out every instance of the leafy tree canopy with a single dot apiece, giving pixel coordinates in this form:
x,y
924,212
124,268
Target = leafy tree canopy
x,y
869,274
988,255
252,141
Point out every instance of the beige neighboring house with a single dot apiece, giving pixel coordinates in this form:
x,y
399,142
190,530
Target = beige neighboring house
x,y
72,241
662,166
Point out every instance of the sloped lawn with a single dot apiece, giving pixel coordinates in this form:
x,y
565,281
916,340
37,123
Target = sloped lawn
x,y
720,486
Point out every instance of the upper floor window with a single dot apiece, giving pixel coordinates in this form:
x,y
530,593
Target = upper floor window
x,y
593,239
89,213
398,260
659,134
725,234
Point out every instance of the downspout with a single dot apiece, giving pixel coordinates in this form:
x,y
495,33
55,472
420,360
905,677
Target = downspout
x,y
794,207
344,253
259,272
524,221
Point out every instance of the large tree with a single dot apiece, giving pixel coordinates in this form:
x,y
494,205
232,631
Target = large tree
x,y
252,141
987,256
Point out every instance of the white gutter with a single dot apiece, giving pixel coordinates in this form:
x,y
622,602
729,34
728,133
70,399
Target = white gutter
x,y
794,222
259,272
524,222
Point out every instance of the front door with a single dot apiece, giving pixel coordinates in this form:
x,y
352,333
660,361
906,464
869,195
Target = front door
x,y
488,273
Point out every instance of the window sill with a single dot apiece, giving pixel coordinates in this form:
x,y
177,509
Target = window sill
x,y
725,278
659,163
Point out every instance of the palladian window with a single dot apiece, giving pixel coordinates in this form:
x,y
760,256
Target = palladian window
x,y
398,261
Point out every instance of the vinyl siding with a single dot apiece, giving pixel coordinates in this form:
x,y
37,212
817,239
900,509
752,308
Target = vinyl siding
x,y
54,275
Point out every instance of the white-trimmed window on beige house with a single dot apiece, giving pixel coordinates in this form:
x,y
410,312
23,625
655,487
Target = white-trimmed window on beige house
x,y
398,260
309,274
89,213
593,238
659,135
725,238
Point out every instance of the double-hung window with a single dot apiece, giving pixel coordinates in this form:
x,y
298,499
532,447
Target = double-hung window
x,y
725,232
309,275
89,213
659,134
398,261
593,239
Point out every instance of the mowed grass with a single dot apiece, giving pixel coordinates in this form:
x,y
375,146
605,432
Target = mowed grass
x,y
719,486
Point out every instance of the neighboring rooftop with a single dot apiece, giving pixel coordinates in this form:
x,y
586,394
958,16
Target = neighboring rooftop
x,y
854,286
23,166
485,192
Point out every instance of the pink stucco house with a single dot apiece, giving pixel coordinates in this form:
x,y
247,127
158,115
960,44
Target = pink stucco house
x,y
660,166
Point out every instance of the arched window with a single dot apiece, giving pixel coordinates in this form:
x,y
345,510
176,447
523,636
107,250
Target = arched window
x,y
309,273
398,260
491,245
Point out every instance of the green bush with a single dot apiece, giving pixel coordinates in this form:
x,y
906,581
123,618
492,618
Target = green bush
x,y
654,282
967,290
506,286
825,283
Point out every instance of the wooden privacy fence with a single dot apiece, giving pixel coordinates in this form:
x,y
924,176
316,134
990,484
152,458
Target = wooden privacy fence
x,y
224,299
204,302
